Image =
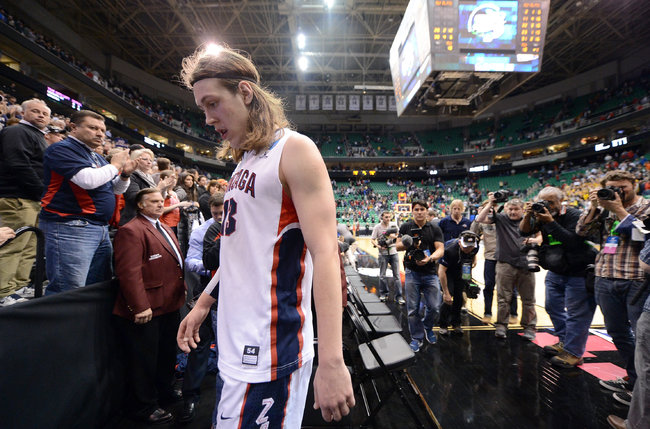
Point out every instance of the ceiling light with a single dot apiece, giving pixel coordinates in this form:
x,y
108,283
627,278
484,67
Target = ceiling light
x,y
329,3
303,63
302,40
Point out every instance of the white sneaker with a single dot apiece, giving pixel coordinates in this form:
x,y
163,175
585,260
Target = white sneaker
x,y
11,300
26,292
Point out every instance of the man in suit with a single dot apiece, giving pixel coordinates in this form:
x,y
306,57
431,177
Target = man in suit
x,y
148,264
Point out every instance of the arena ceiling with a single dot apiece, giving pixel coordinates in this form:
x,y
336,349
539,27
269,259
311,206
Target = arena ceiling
x,y
346,45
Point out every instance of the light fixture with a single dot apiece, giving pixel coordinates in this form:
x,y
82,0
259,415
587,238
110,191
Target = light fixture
x,y
329,3
303,63
302,40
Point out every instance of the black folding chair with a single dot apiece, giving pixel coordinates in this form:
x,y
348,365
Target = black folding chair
x,y
384,358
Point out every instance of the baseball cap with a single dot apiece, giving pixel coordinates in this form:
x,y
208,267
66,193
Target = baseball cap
x,y
468,239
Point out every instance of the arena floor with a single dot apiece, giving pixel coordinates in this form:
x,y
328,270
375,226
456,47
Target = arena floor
x,y
475,380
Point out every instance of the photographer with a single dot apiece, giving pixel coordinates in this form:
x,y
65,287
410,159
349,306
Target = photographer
x,y
424,245
619,276
455,273
511,270
488,234
565,255
383,237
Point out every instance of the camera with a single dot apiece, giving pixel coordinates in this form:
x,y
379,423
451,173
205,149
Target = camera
x,y
539,206
609,193
532,256
502,195
411,242
472,290
383,240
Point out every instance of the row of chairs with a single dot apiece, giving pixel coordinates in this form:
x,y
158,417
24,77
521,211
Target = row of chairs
x,y
384,356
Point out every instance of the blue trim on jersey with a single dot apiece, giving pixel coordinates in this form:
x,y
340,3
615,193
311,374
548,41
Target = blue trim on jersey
x,y
258,410
289,324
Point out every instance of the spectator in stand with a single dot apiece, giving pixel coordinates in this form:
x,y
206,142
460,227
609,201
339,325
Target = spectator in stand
x,y
204,199
21,186
141,179
54,134
202,187
186,191
78,203
162,164
455,223
172,207
222,185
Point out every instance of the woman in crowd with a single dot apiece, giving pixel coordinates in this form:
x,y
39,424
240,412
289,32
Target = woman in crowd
x,y
140,179
187,192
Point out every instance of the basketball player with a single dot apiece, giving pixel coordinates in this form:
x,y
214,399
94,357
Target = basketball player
x,y
279,233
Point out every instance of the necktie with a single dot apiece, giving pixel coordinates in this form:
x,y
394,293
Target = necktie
x,y
165,235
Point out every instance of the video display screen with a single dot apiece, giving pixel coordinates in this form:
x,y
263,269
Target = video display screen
x,y
485,25
408,60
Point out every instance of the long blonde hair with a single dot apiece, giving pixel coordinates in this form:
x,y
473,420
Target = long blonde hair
x,y
265,111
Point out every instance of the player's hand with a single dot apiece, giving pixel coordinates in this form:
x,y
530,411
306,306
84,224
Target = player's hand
x,y
333,392
188,332
144,317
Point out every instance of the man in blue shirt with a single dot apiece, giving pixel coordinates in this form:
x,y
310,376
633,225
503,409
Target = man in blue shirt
x,y
455,223
78,202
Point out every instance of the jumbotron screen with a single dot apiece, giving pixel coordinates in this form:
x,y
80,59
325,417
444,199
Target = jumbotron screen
x,y
466,35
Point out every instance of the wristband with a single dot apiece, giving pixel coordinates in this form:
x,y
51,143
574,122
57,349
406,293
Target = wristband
x,y
124,176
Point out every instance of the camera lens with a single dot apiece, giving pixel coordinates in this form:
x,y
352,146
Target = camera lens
x,y
606,194
538,207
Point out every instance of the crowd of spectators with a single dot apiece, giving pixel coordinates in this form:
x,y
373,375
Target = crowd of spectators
x,y
530,124
178,117
182,187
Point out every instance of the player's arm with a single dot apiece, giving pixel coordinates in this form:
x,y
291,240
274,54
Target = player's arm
x,y
305,179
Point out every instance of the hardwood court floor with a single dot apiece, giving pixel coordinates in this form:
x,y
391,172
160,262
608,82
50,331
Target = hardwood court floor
x,y
477,381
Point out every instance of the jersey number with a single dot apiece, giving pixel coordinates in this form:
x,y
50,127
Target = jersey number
x,y
229,212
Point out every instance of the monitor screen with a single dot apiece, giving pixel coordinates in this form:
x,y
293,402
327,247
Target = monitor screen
x,y
485,25
408,60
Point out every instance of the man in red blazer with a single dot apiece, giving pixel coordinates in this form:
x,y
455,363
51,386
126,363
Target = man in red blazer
x,y
149,267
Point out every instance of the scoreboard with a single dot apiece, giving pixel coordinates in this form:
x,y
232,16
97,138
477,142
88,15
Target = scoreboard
x,y
466,35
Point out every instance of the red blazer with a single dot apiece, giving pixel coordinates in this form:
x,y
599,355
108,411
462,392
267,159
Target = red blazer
x,y
148,271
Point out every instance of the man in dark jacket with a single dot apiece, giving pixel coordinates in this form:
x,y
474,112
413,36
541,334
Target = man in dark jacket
x,y
21,185
565,255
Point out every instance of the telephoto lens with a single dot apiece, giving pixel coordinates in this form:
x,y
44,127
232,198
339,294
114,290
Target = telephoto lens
x,y
532,259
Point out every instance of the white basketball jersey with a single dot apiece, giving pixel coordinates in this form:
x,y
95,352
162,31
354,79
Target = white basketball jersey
x,y
264,311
